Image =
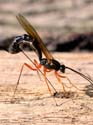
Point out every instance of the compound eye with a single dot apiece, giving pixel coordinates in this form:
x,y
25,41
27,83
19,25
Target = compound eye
x,y
62,68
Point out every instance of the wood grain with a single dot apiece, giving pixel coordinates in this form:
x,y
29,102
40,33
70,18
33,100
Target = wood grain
x,y
34,105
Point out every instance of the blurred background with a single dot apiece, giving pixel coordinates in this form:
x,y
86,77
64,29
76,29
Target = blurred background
x,y
64,25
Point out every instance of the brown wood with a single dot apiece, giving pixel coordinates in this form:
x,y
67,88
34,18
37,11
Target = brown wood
x,y
33,104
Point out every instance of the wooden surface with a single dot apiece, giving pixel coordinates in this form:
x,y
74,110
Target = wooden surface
x,y
33,104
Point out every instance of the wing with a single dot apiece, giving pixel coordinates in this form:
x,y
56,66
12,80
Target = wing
x,y
32,32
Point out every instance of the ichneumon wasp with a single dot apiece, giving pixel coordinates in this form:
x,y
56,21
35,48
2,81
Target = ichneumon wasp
x,y
49,63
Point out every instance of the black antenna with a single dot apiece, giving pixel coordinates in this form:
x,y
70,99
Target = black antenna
x,y
82,75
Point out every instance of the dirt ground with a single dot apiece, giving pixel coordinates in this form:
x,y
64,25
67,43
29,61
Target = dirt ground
x,y
33,103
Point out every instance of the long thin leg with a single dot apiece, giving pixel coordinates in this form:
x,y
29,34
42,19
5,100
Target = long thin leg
x,y
46,80
30,67
45,70
59,80
67,79
38,66
34,69
39,70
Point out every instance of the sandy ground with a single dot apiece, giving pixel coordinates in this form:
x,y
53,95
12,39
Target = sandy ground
x,y
33,103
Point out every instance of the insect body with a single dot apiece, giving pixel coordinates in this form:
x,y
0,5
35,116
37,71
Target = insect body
x,y
49,64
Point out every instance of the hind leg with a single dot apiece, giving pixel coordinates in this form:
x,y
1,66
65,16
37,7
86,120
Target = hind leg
x,y
28,66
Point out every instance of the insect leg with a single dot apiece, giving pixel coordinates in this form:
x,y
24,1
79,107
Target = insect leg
x,y
68,80
59,80
39,71
46,80
30,67
45,70
38,66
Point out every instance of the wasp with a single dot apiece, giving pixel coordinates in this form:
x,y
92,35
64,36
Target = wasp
x,y
48,62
